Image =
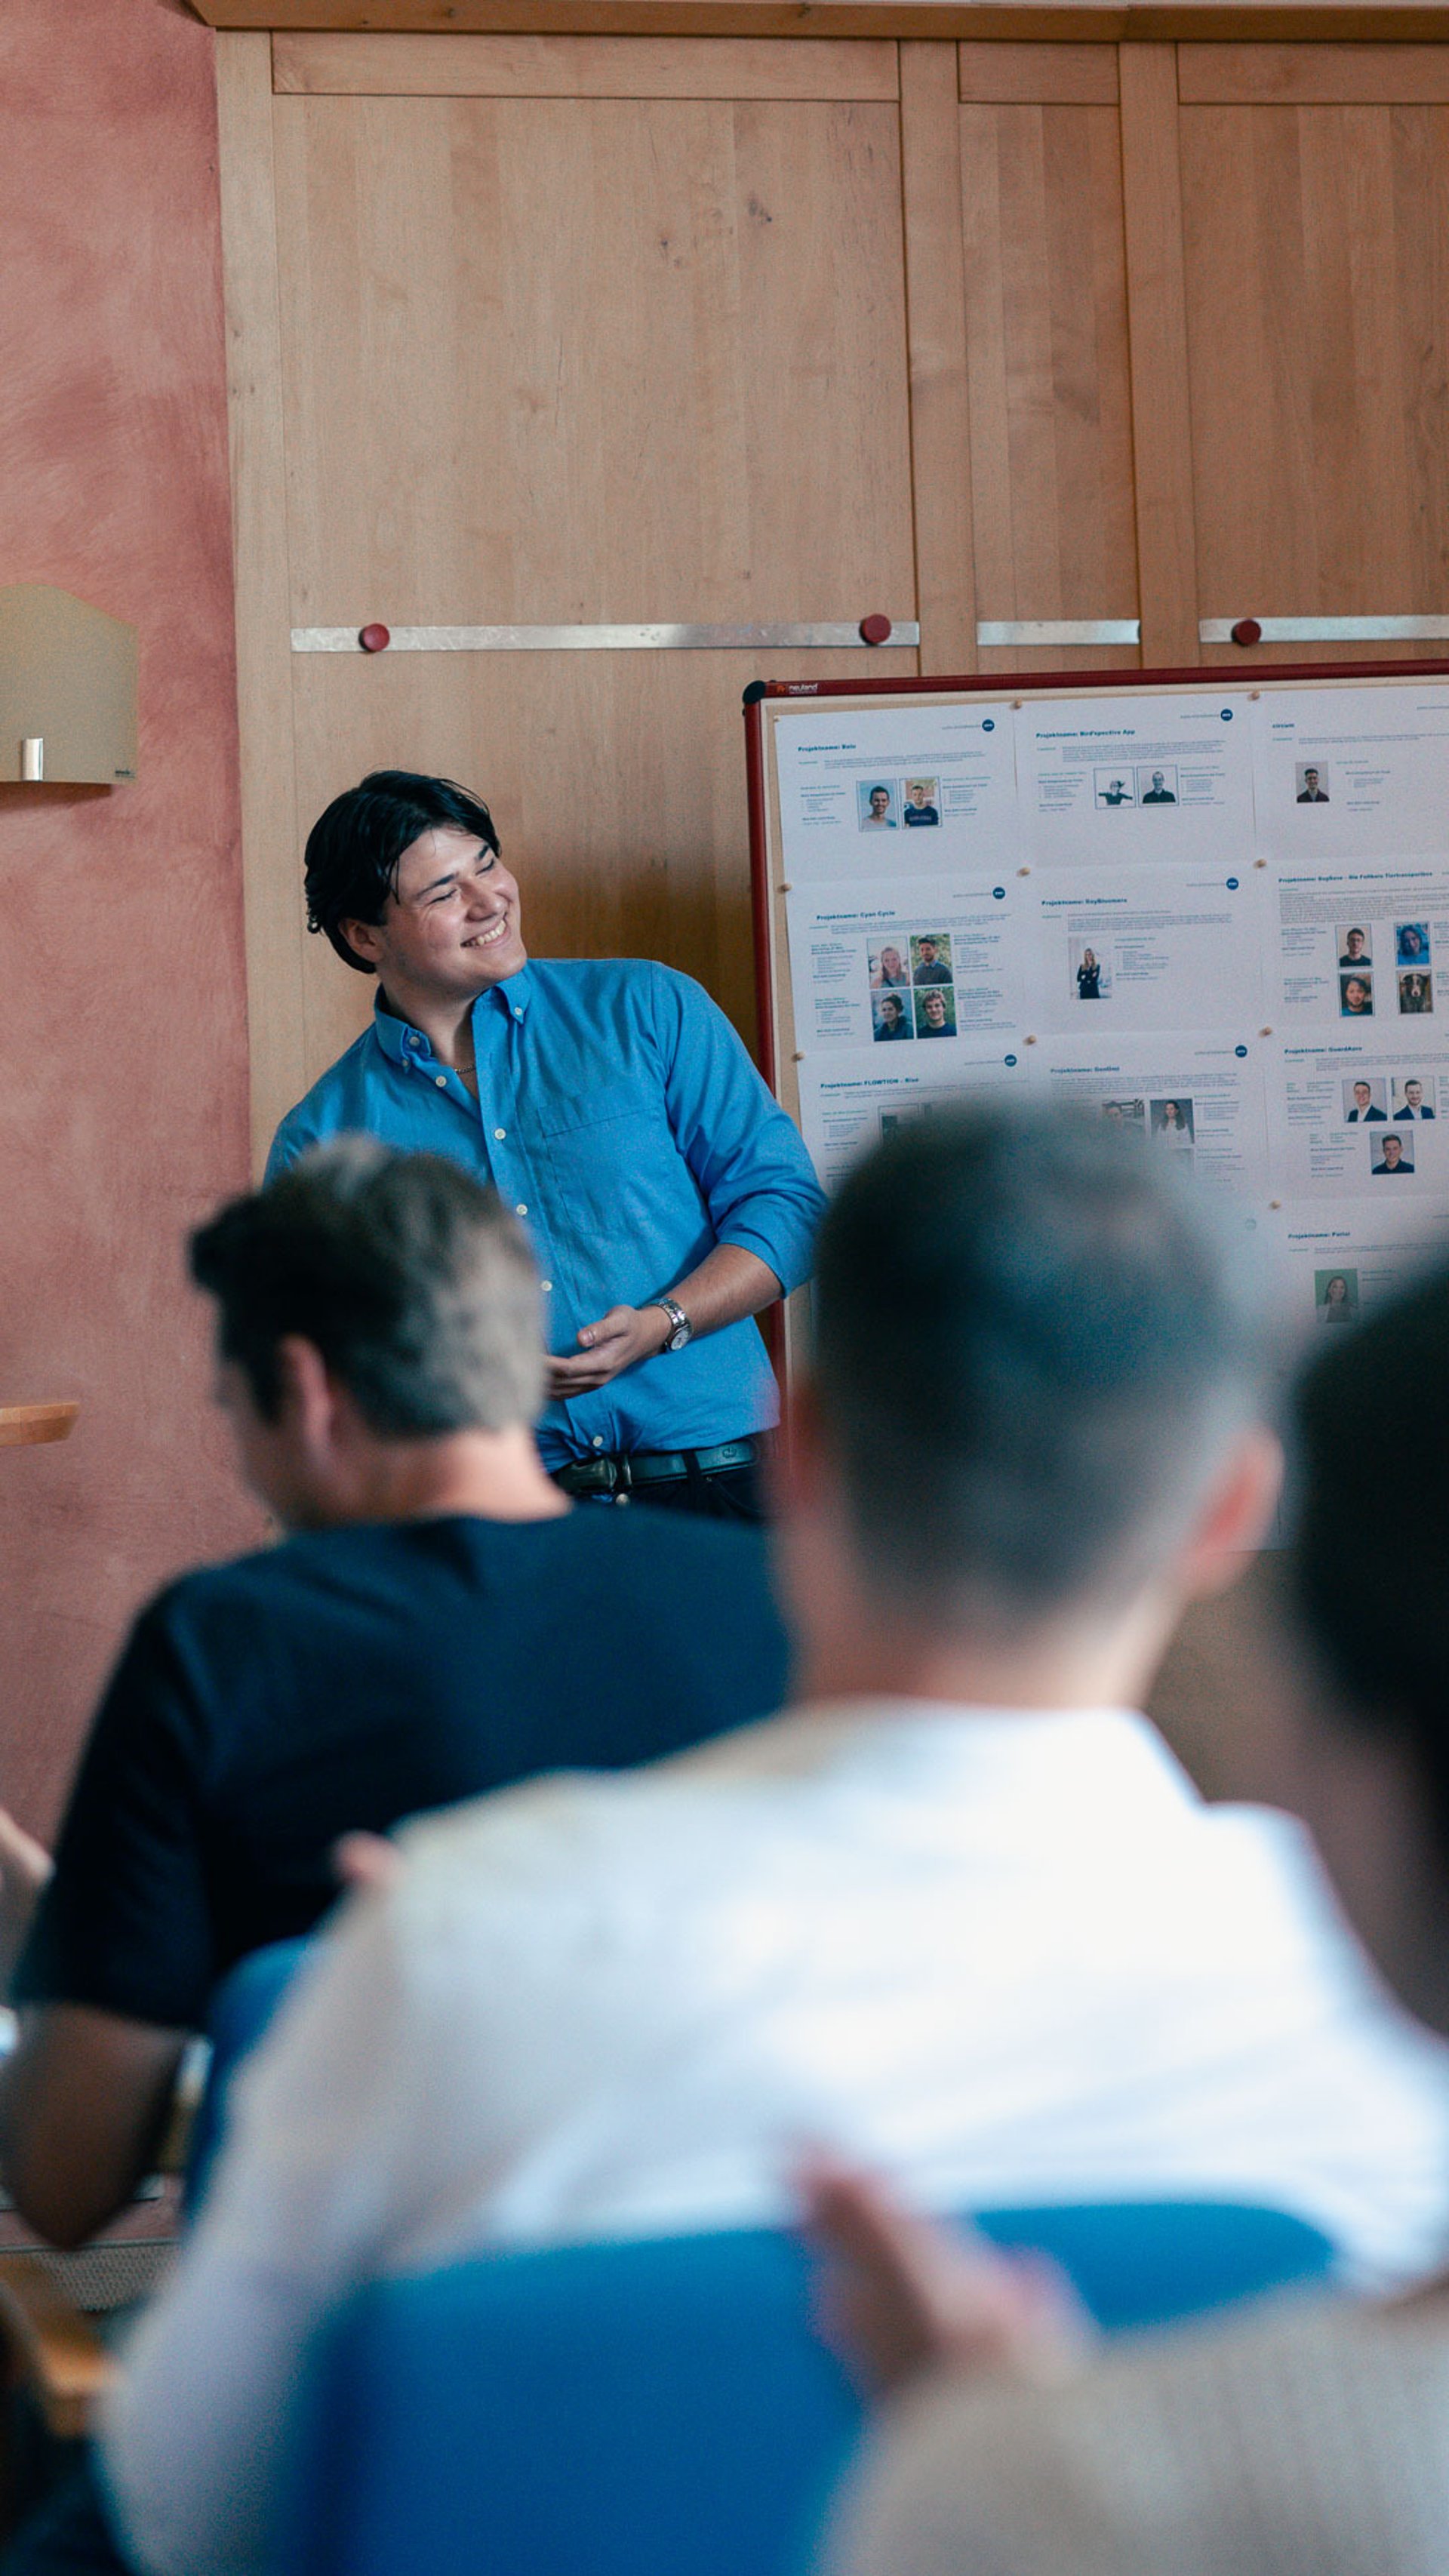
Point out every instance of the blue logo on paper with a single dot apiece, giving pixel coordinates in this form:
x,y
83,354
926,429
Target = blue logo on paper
x,y
1240,1050
1232,885
1008,1059
1000,893
1227,715
988,724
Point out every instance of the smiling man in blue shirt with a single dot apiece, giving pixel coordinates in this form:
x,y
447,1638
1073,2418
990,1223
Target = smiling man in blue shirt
x,y
613,1107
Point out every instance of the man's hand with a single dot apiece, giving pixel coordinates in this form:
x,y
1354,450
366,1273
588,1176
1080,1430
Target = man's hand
x,y
616,1342
25,1866
904,2294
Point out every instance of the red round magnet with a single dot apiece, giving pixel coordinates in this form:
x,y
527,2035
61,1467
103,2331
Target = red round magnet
x,y
1247,631
374,639
875,630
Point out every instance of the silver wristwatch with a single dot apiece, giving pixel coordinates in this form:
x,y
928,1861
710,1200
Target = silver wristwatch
x,y
680,1330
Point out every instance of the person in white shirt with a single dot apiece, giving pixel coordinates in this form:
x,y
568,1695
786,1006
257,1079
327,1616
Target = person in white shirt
x,y
959,1915
1308,2435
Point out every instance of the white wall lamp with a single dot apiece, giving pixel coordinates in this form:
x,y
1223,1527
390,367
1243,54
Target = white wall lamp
x,y
67,690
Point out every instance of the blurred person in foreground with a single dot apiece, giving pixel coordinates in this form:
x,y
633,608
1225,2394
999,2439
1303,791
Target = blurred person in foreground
x,y
1310,2437
959,1914
440,1620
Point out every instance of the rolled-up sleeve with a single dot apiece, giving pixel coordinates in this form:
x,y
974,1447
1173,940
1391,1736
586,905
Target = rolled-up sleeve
x,y
747,1156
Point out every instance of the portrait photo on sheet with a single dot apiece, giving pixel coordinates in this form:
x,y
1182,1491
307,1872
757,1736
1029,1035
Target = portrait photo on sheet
x,y
1416,993
1414,1098
876,805
891,1121
1157,786
1355,945
1391,1153
889,963
935,1013
890,1017
1128,1114
1090,979
931,957
921,802
1363,1100
1115,786
1335,1295
1411,942
1311,782
1172,1121
1356,997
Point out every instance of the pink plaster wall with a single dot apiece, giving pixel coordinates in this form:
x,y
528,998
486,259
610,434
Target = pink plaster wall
x,y
123,1067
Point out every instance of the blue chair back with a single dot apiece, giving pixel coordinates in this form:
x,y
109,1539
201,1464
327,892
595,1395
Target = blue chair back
x,y
241,2008
660,2408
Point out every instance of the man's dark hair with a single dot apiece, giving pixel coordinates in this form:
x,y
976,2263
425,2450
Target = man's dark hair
x,y
415,1285
1032,1349
353,850
1369,1561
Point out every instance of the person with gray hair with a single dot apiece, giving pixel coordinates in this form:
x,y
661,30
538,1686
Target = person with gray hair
x,y
957,1914
440,1621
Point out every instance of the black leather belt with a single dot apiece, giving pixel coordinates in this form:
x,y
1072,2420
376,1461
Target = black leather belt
x,y
613,1471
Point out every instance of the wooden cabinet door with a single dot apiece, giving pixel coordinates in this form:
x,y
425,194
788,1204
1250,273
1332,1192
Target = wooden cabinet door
x,y
534,348
1315,222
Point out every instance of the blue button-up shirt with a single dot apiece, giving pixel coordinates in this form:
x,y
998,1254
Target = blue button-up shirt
x,y
620,1117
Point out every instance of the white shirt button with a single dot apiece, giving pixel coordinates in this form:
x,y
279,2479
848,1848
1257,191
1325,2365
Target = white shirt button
x,y
441,1080
517,1012
547,1286
598,1439
500,1133
522,1208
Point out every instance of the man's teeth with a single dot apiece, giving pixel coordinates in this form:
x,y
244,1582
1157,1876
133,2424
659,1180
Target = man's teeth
x,y
487,938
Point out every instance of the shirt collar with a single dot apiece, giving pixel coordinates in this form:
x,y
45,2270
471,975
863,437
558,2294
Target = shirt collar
x,y
403,1045
512,995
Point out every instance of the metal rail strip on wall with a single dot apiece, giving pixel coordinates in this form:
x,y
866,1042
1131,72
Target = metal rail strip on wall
x,y
1323,630
827,638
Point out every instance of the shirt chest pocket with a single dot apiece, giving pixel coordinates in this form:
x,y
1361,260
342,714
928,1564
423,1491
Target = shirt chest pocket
x,y
572,1119
611,1152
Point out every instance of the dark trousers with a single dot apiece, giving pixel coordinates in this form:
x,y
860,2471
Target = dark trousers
x,y
729,1494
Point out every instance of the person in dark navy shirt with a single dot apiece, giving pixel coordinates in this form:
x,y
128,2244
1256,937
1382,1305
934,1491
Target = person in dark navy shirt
x,y
440,1622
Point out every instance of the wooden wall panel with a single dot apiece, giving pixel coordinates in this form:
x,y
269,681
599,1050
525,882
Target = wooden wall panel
x,y
1004,75
578,67
1318,288
1312,75
592,360
581,361
1051,440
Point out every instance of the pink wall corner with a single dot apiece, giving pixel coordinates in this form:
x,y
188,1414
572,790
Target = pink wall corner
x,y
123,1105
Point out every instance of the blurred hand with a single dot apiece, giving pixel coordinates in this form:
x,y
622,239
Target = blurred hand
x,y
25,1866
366,1863
616,1342
905,2294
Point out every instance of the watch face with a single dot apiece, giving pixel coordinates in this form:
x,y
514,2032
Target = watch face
x,y
678,1338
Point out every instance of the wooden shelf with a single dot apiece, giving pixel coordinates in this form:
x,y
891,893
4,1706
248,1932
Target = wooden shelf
x,y
23,1425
